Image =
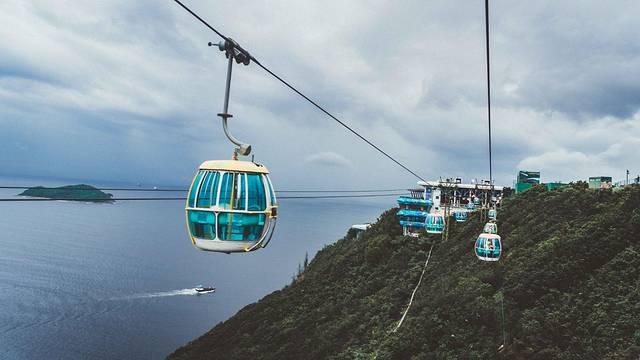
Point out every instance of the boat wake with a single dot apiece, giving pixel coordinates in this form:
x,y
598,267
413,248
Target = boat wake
x,y
181,292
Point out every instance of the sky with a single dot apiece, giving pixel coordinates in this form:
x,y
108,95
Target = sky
x,y
128,91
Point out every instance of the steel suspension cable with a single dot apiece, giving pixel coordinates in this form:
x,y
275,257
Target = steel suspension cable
x,y
340,122
413,294
102,189
36,199
486,19
185,190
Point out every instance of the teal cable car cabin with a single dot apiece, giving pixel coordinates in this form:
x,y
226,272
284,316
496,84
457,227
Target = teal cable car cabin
x,y
488,247
231,207
490,228
461,216
435,223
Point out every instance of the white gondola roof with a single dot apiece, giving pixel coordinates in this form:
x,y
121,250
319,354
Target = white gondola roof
x,y
234,165
489,236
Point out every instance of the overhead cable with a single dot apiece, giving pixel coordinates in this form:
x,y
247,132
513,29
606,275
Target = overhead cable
x,y
185,190
36,199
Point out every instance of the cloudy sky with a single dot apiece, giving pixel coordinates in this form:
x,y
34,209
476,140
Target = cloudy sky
x,y
128,91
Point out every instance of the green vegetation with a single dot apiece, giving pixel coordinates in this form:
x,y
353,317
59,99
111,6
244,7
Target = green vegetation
x,y
568,279
80,192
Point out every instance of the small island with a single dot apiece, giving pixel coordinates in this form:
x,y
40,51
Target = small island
x,y
81,192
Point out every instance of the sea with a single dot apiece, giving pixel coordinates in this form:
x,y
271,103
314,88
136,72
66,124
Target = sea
x,y
115,281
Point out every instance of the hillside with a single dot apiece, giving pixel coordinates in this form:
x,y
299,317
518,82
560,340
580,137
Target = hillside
x,y
569,277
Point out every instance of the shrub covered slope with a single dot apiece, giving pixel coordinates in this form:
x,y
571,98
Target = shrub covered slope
x,y
569,281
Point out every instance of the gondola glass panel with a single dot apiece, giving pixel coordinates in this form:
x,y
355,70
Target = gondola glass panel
x,y
207,190
240,227
488,247
194,189
232,192
257,198
202,224
272,193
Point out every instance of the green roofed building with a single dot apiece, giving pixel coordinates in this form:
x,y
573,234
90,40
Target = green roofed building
x,y
528,179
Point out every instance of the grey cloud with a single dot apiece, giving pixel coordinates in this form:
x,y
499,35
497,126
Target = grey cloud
x,y
327,158
578,58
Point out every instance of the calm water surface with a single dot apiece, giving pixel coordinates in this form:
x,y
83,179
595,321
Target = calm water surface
x,y
105,281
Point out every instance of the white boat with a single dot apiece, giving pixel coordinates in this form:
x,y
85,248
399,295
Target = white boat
x,y
204,290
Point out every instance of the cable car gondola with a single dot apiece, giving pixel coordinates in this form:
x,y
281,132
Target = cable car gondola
x,y
490,228
493,214
488,247
461,216
231,205
470,205
435,223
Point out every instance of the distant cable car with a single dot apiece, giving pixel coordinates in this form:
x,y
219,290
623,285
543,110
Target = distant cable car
x,y
488,247
490,228
435,223
470,205
493,214
231,206
476,200
461,216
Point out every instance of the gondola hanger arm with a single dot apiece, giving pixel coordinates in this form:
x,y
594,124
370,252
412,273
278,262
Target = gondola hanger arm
x,y
233,51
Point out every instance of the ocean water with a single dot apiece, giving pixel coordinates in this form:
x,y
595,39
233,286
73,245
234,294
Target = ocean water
x,y
114,281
